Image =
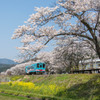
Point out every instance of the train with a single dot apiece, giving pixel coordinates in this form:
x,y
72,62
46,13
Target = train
x,y
37,68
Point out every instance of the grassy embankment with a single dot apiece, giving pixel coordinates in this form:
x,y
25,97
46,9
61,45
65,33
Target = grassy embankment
x,y
54,87
11,97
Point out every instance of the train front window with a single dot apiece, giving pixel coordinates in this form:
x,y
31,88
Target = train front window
x,y
40,66
43,65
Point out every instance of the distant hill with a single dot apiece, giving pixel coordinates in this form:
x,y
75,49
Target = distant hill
x,y
4,67
6,64
6,61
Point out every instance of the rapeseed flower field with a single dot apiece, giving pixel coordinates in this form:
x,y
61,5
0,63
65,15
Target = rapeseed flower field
x,y
51,89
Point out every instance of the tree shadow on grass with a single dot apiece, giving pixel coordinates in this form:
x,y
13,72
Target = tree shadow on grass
x,y
89,90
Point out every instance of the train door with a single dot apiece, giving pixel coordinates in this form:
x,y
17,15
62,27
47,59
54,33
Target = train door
x,y
40,67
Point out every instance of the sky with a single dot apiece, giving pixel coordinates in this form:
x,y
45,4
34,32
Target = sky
x,y
13,13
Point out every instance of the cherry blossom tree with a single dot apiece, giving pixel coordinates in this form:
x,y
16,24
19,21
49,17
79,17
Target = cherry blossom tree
x,y
70,51
67,18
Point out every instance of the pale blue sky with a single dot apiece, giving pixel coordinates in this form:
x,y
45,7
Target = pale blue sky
x,y
13,13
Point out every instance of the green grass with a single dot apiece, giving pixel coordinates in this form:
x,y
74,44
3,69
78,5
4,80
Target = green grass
x,y
14,78
11,97
70,86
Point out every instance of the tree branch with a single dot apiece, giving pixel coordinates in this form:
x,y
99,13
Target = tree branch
x,y
97,21
75,34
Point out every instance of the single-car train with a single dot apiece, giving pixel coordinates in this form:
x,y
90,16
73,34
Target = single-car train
x,y
37,68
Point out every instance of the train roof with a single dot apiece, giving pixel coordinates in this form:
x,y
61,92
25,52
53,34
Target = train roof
x,y
35,64
39,63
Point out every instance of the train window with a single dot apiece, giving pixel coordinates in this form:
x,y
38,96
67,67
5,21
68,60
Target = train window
x,y
43,65
31,67
37,65
28,68
40,66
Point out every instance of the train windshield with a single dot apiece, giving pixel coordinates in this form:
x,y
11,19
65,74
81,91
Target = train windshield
x,y
43,65
40,66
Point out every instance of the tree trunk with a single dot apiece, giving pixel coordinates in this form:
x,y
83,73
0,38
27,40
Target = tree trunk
x,y
98,51
97,47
